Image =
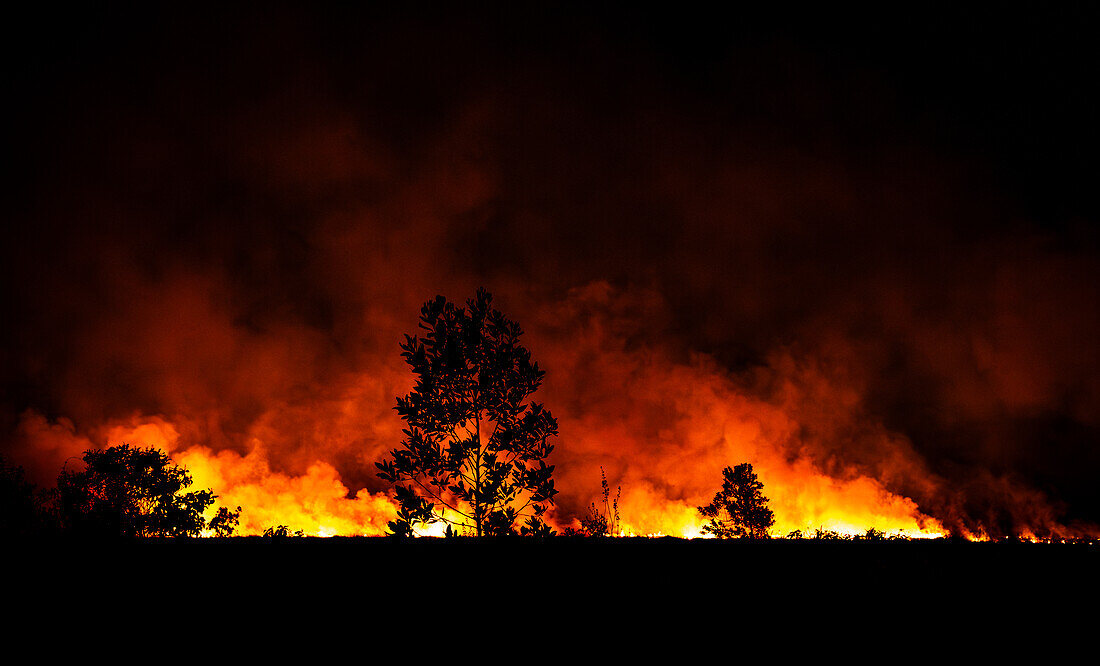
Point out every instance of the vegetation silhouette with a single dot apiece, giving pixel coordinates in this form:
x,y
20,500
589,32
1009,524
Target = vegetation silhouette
x,y
281,532
605,523
225,522
130,492
23,511
474,452
739,509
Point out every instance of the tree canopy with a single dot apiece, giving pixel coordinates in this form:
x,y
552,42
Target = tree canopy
x,y
739,509
474,452
132,492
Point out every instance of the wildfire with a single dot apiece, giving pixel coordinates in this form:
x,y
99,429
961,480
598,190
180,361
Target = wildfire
x,y
320,504
662,427
894,325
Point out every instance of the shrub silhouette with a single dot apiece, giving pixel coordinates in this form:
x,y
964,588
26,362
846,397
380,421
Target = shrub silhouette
x,y
739,509
597,524
281,532
474,452
872,534
130,492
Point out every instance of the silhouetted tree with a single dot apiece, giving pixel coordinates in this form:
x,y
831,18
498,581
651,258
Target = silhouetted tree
x,y
131,492
225,522
474,451
739,509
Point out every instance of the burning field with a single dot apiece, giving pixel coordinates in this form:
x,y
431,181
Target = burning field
x,y
866,269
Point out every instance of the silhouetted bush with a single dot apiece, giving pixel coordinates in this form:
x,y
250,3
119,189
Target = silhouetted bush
x,y
130,492
281,532
606,523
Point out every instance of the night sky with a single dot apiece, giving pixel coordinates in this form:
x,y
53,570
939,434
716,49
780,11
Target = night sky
x,y
857,250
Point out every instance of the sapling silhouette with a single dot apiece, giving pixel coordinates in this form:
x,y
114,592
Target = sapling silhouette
x,y
739,509
474,452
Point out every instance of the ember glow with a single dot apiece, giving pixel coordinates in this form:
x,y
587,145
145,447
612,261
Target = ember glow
x,y
723,247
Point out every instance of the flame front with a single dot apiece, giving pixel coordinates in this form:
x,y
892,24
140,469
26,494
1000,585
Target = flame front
x,y
662,429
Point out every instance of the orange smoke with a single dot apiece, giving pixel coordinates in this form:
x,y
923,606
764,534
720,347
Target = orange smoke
x,y
268,362
663,424
663,429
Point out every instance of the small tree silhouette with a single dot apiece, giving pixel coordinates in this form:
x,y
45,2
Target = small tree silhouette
x,y
739,509
474,453
225,522
130,492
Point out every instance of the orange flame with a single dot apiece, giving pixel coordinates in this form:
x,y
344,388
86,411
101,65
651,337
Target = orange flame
x,y
317,502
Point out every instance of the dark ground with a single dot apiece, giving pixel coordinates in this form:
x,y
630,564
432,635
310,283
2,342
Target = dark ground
x,y
667,598
656,564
